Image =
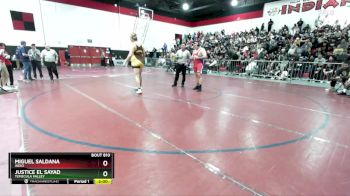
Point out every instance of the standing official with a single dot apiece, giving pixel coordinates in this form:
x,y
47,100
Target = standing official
x,y
24,57
182,59
49,58
34,56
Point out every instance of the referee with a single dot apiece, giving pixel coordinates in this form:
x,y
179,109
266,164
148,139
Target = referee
x,y
182,56
49,58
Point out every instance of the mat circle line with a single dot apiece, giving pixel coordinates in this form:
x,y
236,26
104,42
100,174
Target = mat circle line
x,y
36,127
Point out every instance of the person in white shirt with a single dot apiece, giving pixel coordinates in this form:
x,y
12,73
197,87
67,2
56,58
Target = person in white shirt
x,y
49,58
34,56
183,57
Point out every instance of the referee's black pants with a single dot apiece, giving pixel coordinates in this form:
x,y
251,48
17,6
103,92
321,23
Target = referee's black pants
x,y
180,68
51,68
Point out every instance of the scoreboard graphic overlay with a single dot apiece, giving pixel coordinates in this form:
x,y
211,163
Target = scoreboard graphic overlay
x,y
61,168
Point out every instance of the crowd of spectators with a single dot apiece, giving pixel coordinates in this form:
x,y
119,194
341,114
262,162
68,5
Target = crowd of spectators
x,y
325,48
298,43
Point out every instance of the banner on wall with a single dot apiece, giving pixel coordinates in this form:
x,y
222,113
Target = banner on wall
x,y
22,21
290,7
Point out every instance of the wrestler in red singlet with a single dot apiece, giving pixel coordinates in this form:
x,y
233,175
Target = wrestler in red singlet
x,y
197,63
199,54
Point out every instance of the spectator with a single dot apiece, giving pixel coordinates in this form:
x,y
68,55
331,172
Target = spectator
x,y
328,69
300,24
344,45
341,77
306,29
306,48
262,27
67,57
252,66
292,51
17,58
103,58
9,66
4,74
270,25
295,30
316,71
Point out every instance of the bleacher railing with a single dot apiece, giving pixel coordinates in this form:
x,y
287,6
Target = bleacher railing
x,y
278,70
284,70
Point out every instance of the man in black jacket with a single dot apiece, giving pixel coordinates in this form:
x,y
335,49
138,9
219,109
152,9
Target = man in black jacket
x,y
269,27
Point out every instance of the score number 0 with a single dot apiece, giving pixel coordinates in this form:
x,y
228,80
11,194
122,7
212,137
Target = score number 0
x,y
105,164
